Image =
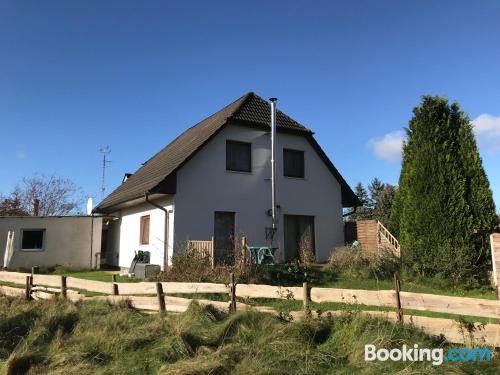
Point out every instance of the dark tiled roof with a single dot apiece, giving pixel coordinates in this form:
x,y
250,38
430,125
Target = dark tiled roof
x,y
257,111
152,176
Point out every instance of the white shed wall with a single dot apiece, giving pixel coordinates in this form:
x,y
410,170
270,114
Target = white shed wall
x,y
67,241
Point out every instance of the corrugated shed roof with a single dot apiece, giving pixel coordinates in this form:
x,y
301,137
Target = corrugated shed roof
x,y
249,109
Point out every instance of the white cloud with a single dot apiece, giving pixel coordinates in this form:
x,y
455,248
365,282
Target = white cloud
x,y
487,129
389,147
21,155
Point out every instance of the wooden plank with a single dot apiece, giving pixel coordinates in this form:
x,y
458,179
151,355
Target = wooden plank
x,y
40,295
451,305
416,301
43,295
90,285
137,288
365,297
171,287
52,290
11,291
172,304
13,277
175,287
49,280
268,291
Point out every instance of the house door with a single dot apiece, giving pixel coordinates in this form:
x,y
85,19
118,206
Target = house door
x,y
224,237
299,233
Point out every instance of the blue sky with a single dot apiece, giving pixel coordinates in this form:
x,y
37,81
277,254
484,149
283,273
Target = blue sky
x,y
79,75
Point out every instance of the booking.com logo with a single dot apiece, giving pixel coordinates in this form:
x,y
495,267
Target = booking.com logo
x,y
437,355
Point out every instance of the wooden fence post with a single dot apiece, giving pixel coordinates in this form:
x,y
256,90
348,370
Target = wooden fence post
x,y
232,294
115,285
397,288
161,297
64,289
305,299
29,282
244,252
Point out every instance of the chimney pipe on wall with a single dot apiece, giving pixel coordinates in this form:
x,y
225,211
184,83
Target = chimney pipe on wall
x,y
36,207
273,163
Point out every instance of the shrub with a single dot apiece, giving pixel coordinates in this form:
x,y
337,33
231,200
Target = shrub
x,y
306,255
351,263
187,267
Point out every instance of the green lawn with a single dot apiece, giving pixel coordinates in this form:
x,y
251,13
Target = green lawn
x,y
96,275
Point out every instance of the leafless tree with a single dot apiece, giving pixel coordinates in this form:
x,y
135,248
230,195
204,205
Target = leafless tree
x,y
11,205
56,196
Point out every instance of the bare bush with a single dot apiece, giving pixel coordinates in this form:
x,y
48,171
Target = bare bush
x,y
306,254
351,262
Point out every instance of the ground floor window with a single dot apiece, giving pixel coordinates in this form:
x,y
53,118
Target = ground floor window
x,y
32,239
144,233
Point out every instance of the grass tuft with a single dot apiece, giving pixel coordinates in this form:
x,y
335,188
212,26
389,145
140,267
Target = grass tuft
x,y
93,337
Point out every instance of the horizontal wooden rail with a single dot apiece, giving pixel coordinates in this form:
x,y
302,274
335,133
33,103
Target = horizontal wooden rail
x,y
268,291
416,301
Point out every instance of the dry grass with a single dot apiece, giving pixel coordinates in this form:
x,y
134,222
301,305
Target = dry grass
x,y
58,337
351,263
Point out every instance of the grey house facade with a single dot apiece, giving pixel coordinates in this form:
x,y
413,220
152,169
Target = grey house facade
x,y
214,181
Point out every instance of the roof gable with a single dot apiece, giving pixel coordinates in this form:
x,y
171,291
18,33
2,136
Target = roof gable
x,y
157,175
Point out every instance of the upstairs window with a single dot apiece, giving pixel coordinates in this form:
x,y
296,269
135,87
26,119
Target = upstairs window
x,y
238,156
32,239
144,235
293,163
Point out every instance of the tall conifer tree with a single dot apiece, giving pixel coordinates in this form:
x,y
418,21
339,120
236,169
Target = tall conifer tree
x,y
443,195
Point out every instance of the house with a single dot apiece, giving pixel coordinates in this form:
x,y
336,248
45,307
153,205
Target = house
x,y
214,181
73,241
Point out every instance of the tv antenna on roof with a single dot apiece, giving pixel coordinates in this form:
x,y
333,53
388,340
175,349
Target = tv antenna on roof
x,y
104,151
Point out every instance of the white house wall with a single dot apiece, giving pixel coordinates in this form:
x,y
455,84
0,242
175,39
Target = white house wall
x,y
204,186
70,241
129,233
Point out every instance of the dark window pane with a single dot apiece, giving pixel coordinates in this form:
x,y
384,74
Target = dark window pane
x,y
238,156
293,163
32,239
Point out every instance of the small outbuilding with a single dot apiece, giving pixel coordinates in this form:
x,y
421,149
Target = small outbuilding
x,y
73,241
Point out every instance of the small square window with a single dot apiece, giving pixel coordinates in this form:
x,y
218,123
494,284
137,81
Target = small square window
x,y
32,239
293,163
144,234
238,156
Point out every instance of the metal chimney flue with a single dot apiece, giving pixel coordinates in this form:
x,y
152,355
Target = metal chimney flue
x,y
36,207
273,164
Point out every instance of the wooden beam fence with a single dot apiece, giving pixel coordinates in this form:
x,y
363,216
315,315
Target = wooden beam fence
x,y
151,296
382,298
